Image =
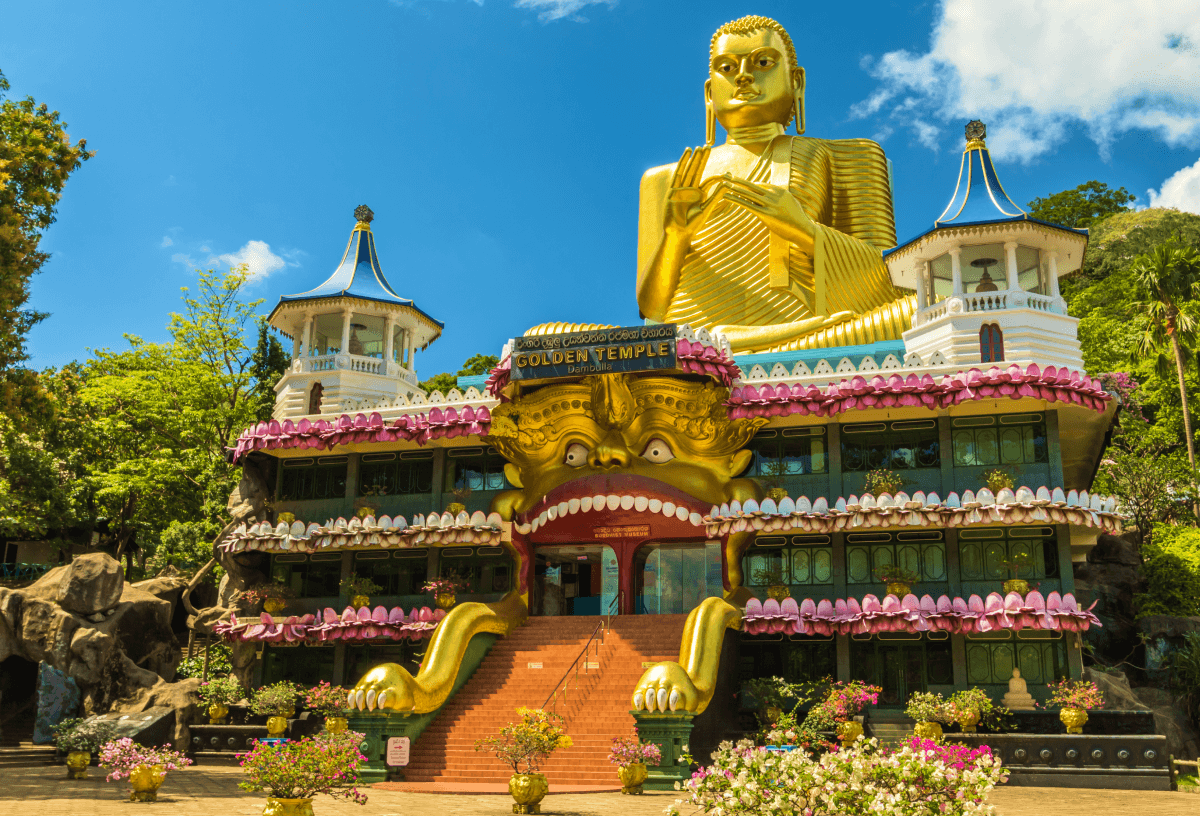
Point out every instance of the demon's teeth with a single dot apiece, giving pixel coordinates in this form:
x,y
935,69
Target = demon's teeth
x,y
696,519
562,508
627,502
585,504
572,507
598,503
681,513
668,509
523,529
654,505
613,501
640,504
551,512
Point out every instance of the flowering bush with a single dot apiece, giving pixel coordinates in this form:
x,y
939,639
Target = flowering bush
x,y
77,734
969,701
326,699
917,779
882,480
928,706
788,732
123,755
222,691
894,573
355,585
257,594
842,702
449,584
275,700
997,479
1076,694
528,742
631,751
220,663
300,769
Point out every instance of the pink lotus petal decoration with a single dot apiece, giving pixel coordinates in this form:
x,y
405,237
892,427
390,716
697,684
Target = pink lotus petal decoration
x,y
328,626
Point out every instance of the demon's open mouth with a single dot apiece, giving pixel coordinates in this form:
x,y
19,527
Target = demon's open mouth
x,y
610,494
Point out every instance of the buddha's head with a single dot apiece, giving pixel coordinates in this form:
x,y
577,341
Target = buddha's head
x,y
753,76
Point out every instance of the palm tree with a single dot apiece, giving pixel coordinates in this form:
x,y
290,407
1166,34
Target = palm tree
x,y
1166,278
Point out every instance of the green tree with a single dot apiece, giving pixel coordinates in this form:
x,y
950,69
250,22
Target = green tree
x,y
1166,279
473,367
1081,206
267,366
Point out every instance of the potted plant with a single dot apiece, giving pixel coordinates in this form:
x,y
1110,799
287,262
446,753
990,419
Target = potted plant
x,y
217,695
459,505
776,698
330,701
364,510
968,706
79,738
1075,697
523,746
293,772
445,588
359,590
278,703
1013,567
630,755
840,707
998,479
285,516
883,480
898,579
774,471
930,710
145,768
774,580
272,596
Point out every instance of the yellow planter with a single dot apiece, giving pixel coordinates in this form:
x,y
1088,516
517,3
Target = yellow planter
x,y
273,606
288,807
77,764
527,791
454,508
336,725
900,590
632,777
777,493
359,601
967,721
276,727
217,713
1073,719
849,732
778,592
928,731
144,781
444,600
1017,585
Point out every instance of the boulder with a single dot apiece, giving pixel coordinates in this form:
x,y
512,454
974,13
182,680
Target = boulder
x,y
180,695
1111,577
1115,687
91,583
1170,717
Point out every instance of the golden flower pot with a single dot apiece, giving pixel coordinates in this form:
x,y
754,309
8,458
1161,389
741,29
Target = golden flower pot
x,y
273,606
928,731
359,601
1017,585
778,592
899,589
144,781
444,600
276,727
849,732
217,713
1073,718
454,508
967,721
632,777
527,791
288,807
77,763
336,725
777,493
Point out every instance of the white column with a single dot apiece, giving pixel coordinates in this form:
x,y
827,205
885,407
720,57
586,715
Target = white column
x,y
387,341
956,287
345,349
1010,256
922,284
306,344
296,339
411,343
1054,275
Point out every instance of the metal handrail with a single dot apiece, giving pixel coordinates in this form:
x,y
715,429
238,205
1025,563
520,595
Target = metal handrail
x,y
604,623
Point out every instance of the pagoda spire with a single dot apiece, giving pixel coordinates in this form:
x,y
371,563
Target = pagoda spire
x,y
978,195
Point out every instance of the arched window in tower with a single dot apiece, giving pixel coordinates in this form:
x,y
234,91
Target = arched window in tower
x,y
314,398
991,344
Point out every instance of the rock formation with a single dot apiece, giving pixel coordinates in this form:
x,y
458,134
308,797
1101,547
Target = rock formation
x,y
1170,717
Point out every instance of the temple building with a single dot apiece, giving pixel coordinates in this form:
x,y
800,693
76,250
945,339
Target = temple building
x,y
719,490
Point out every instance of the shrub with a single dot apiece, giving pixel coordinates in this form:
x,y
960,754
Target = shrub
x,y
78,734
303,768
123,755
969,701
275,700
631,751
928,706
221,691
882,480
326,699
842,702
220,663
528,742
1172,572
355,585
1075,694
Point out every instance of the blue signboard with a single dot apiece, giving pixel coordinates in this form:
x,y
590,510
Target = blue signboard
x,y
602,351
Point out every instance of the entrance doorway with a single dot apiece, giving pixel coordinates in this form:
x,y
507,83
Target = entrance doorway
x,y
672,578
901,667
574,579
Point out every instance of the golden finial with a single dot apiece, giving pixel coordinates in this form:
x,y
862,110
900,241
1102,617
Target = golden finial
x,y
976,133
364,215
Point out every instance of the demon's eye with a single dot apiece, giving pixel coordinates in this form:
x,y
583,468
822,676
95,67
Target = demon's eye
x,y
658,451
576,455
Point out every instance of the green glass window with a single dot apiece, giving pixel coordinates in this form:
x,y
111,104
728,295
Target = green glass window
x,y
1009,439
489,569
902,445
789,452
399,573
304,479
478,469
795,659
390,474
309,576
984,553
920,551
1041,660
798,560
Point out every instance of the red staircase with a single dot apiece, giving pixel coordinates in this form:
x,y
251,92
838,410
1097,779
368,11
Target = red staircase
x,y
595,712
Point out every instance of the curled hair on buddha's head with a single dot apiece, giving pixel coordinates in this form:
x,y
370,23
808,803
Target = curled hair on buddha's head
x,y
748,25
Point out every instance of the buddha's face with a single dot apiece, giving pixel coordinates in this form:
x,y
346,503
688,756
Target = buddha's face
x,y
751,82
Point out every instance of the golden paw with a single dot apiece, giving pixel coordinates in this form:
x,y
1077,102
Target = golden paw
x,y
666,687
388,685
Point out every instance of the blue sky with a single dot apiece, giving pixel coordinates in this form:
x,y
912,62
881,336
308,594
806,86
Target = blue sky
x,y
500,143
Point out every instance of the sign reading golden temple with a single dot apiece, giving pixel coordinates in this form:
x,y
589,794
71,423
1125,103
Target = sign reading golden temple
x,y
600,351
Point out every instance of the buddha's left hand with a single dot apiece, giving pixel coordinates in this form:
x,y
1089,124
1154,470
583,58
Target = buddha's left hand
x,y
776,207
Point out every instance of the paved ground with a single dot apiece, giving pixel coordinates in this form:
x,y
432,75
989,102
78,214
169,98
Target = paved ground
x,y
210,791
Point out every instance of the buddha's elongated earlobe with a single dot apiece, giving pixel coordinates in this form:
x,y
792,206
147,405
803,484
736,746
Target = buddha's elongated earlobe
x,y
710,116
800,124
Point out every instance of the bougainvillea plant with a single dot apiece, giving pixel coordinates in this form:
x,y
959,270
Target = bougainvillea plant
x,y
221,691
928,706
969,701
275,700
303,768
254,596
631,750
359,585
842,702
450,583
123,755
1075,694
883,480
524,745
326,699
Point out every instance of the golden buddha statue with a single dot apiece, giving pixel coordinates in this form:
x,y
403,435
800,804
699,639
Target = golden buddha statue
x,y
773,240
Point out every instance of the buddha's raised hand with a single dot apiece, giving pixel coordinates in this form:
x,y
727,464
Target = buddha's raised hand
x,y
775,206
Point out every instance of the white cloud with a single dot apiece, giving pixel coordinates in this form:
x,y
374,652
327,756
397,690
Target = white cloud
x,y
256,255
166,242
1181,191
550,10
1033,68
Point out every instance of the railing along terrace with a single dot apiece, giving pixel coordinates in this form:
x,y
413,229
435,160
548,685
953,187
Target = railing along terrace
x,y
353,362
973,302
602,627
